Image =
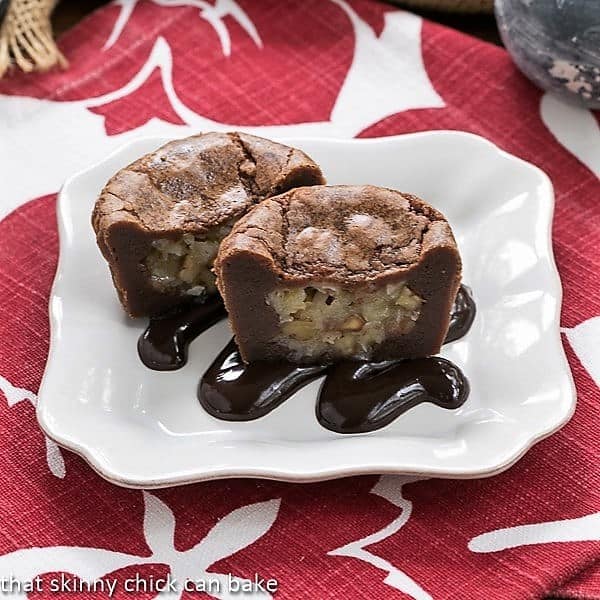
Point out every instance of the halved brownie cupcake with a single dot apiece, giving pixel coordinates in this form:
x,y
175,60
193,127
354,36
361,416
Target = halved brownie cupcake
x,y
326,273
159,221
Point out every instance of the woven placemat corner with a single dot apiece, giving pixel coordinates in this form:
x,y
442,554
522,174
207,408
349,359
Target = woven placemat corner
x,y
26,39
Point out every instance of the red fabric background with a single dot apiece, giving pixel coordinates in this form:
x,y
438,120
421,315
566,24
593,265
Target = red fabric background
x,y
296,77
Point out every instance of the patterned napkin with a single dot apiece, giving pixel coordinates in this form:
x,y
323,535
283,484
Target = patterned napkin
x,y
337,68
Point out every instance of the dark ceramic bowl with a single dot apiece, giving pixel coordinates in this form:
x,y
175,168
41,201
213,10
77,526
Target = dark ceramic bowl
x,y
556,43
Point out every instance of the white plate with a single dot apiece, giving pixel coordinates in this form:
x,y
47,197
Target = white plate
x,y
143,428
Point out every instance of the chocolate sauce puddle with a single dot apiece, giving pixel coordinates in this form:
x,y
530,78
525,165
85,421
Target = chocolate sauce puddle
x,y
234,391
164,344
360,397
462,315
355,397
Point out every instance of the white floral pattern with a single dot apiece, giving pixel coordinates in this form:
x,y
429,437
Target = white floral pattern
x,y
237,530
14,395
582,529
390,488
573,127
584,339
211,13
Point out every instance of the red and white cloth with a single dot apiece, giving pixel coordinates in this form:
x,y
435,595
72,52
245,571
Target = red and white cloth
x,y
338,68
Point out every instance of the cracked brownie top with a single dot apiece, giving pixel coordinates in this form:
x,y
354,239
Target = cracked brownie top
x,y
201,182
160,220
341,233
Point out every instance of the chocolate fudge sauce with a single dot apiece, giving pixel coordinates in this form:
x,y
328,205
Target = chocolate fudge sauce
x,y
164,344
355,397
462,315
235,391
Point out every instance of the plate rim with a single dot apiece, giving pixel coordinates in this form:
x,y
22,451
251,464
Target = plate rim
x,y
308,475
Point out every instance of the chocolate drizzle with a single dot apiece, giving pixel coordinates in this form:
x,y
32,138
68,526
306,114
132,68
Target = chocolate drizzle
x,y
234,391
462,315
360,397
164,344
355,397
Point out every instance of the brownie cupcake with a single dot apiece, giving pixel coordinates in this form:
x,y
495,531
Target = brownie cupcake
x,y
326,273
160,220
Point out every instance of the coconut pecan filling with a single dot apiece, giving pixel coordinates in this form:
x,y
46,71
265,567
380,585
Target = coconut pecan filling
x,y
185,264
330,320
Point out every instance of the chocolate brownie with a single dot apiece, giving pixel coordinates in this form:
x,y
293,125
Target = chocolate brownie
x,y
324,273
159,221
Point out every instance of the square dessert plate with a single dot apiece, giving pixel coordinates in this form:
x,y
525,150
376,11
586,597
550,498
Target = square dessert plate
x,y
142,428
